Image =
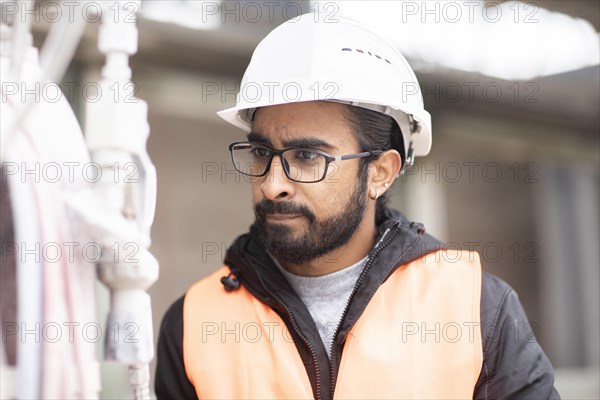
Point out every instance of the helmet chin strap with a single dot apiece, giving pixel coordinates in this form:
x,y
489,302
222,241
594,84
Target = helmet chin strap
x,y
250,114
410,160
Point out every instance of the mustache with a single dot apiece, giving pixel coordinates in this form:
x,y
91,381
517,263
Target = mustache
x,y
264,207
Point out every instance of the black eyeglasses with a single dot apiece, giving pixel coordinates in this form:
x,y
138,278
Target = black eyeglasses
x,y
300,164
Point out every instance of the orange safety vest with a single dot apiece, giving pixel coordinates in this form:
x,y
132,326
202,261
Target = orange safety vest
x,y
419,337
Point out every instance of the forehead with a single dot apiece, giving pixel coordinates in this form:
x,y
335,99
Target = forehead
x,y
294,123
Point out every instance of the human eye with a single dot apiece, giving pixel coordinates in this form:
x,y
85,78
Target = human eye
x,y
307,155
260,152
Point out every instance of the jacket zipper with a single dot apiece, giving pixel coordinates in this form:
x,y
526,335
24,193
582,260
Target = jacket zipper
x,y
296,329
361,277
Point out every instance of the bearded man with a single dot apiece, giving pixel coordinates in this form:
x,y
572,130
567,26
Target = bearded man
x,y
332,294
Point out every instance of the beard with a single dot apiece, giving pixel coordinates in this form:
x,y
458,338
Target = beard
x,y
321,236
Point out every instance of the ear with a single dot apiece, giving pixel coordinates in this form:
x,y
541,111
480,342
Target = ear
x,y
383,172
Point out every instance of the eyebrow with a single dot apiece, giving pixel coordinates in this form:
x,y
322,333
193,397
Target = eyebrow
x,y
257,137
310,142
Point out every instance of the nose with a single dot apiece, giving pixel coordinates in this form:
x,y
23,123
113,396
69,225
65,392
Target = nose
x,y
276,185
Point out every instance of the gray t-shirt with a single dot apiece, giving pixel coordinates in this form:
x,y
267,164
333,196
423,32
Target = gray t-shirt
x,y
326,296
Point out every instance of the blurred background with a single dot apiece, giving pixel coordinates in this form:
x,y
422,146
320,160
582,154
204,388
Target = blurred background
x,y
513,90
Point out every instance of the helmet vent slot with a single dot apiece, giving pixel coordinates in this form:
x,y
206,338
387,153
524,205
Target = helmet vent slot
x,y
371,54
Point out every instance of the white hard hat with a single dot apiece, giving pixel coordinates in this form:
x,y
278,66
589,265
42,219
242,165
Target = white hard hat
x,y
309,58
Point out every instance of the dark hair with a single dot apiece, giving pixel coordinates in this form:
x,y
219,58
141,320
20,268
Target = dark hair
x,y
375,131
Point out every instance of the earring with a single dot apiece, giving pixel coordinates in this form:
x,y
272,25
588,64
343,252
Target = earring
x,y
376,195
386,185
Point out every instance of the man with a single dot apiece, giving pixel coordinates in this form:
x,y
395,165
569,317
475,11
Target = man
x,y
332,294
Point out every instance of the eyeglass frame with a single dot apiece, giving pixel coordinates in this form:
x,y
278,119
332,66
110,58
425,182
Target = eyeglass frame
x,y
328,159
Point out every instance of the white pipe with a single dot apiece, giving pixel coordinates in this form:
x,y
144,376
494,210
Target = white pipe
x,y
139,376
116,132
57,51
19,45
60,46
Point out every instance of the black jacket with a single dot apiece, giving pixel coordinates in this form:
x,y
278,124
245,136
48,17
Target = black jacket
x,y
514,366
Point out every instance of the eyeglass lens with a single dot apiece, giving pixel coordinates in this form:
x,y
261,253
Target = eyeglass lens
x,y
303,165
